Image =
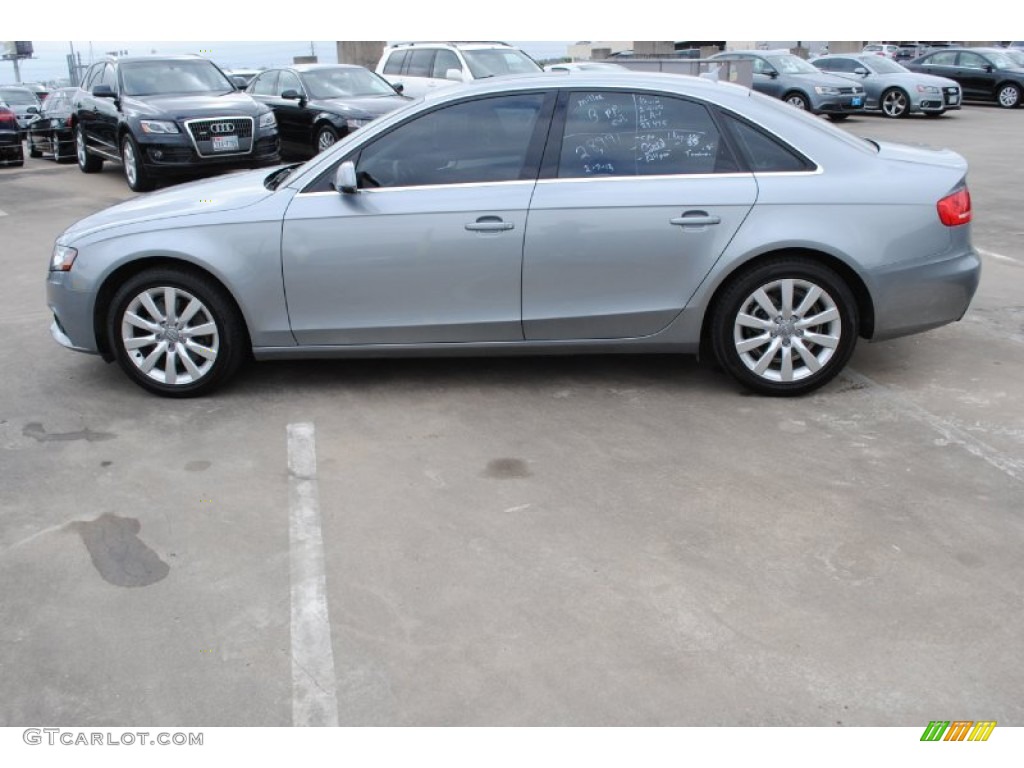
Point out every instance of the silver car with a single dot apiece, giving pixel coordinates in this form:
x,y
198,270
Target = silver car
x,y
891,88
587,213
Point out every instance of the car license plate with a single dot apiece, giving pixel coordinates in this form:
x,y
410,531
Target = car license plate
x,y
225,143
954,99
856,102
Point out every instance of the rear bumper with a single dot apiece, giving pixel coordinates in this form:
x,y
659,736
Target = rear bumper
x,y
910,298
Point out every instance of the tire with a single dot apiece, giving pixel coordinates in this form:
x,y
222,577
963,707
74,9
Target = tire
x,y
55,144
753,345
1008,95
135,172
837,118
208,345
895,103
33,151
325,139
798,100
86,163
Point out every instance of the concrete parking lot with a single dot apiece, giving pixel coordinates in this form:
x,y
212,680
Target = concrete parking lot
x,y
580,541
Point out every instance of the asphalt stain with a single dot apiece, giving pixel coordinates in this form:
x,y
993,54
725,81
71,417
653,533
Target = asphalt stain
x,y
507,469
106,463
36,432
121,558
197,466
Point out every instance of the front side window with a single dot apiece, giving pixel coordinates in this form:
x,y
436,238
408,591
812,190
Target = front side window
x,y
266,84
109,77
421,62
444,61
479,141
634,134
971,61
492,62
838,65
345,82
288,81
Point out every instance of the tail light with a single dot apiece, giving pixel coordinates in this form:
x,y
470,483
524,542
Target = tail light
x,y
7,117
955,208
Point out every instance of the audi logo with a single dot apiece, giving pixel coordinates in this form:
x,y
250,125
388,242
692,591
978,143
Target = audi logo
x,y
222,128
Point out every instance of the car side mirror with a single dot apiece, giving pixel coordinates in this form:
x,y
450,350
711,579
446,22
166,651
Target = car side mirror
x,y
398,88
345,178
103,92
860,71
33,110
989,68
292,95
454,74
240,84
773,74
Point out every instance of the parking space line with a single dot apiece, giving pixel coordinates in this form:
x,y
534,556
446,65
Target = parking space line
x,y
949,431
314,698
3,213
997,256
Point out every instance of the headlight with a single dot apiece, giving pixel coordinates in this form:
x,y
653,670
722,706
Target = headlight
x,y
62,259
927,89
267,120
355,123
826,90
158,126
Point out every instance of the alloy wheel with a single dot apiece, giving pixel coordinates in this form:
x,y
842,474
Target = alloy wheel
x,y
894,103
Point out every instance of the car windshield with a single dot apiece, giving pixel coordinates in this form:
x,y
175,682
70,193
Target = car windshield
x,y
490,62
345,81
792,65
18,96
1001,60
149,78
1017,57
885,66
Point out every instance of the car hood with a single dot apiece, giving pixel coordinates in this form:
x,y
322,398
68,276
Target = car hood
x,y
178,107
225,193
921,154
372,106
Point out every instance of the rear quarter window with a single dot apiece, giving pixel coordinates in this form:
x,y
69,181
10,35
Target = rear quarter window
x,y
764,153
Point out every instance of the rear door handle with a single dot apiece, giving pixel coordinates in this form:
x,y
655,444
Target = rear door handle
x,y
695,219
490,224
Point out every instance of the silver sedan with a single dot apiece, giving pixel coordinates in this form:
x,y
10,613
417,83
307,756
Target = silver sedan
x,y
891,88
607,212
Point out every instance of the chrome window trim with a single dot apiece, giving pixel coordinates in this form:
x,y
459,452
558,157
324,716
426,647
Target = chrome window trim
x,y
195,144
464,185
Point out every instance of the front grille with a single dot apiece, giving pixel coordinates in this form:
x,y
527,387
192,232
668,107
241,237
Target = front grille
x,y
204,131
852,89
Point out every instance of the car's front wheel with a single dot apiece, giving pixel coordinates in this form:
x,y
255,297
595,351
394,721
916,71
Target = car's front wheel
x,y
86,163
798,100
175,333
1008,95
895,103
134,171
785,327
325,138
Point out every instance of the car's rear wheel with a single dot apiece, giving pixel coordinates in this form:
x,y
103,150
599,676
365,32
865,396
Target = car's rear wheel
x,y
33,150
134,170
895,103
325,138
55,146
1008,95
86,163
785,327
175,333
798,100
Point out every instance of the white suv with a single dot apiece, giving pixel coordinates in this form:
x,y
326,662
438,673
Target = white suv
x,y
421,67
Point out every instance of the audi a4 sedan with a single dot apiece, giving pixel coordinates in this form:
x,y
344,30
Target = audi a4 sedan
x,y
604,212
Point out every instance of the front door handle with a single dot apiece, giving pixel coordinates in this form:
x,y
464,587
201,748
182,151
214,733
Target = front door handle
x,y
695,219
490,224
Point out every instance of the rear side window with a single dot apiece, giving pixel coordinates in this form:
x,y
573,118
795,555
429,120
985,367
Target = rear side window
x,y
421,62
635,134
393,66
764,154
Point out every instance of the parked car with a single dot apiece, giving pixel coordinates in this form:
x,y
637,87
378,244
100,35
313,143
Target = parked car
x,y
585,213
11,152
23,102
908,51
418,68
317,104
983,74
586,66
892,88
799,84
887,50
51,133
41,91
168,116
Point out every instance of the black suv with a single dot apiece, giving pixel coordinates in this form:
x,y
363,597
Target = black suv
x,y
168,115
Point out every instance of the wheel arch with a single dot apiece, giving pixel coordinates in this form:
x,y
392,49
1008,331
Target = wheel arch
x,y
865,305
113,281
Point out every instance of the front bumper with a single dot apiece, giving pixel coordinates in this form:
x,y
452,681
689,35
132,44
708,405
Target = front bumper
x,y
176,154
910,298
72,310
835,105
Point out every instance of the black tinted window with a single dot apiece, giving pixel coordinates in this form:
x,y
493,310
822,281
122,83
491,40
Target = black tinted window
x,y
393,66
478,141
420,63
763,152
627,134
